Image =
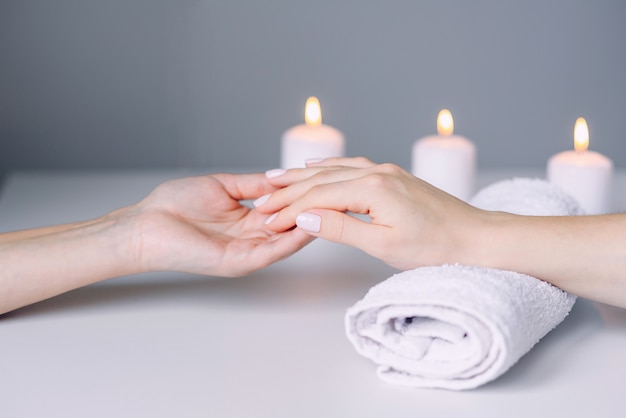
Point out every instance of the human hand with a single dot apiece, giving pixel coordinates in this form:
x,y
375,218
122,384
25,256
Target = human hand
x,y
195,225
412,222
198,225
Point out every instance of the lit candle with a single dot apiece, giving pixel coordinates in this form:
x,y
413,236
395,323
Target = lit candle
x,y
446,161
310,140
586,175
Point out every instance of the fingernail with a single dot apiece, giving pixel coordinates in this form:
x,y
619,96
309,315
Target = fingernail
x,y
313,161
309,222
271,218
270,174
261,200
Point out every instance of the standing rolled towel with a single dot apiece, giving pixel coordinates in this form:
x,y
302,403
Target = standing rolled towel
x,y
459,327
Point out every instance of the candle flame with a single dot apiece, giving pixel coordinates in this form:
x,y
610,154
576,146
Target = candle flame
x,y
312,112
445,123
581,135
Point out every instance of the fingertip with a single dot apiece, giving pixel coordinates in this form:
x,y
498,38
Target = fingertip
x,y
313,161
276,172
309,222
276,225
299,237
261,200
284,244
271,218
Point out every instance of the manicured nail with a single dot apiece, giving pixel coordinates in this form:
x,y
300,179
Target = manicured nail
x,y
261,200
271,218
313,161
309,222
270,174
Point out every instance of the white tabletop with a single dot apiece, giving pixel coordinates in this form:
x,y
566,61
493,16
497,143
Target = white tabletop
x,y
271,344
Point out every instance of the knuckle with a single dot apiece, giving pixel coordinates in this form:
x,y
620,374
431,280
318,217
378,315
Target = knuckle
x,y
389,168
385,176
334,228
377,180
339,229
363,160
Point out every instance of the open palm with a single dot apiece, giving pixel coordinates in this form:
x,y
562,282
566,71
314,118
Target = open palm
x,y
199,225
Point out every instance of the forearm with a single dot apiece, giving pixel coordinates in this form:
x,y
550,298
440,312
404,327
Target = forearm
x,y
38,232
35,266
584,255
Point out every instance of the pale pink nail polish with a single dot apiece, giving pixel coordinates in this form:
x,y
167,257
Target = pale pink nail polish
x,y
271,218
309,222
261,200
313,161
270,174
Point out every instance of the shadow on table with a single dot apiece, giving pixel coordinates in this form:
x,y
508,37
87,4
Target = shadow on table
x,y
272,288
551,356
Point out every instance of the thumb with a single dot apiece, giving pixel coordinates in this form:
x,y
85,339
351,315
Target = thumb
x,y
339,227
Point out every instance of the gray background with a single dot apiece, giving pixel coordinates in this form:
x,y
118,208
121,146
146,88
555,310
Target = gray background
x,y
166,84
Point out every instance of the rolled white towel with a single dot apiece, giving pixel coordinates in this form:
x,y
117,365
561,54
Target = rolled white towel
x,y
527,197
459,327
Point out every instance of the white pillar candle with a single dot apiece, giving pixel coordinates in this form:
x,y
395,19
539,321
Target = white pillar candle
x,y
310,140
446,161
586,175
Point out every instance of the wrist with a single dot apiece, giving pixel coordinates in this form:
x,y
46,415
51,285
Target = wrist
x,y
120,236
139,232
486,240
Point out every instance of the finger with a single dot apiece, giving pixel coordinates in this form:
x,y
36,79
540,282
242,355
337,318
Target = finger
x,y
354,162
357,195
342,228
282,178
295,191
245,186
278,247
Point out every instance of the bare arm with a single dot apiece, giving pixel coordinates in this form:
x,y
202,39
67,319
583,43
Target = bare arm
x,y
42,263
195,225
36,232
584,255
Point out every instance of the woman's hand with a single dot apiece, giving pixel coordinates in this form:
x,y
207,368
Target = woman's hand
x,y
412,223
198,225
195,225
